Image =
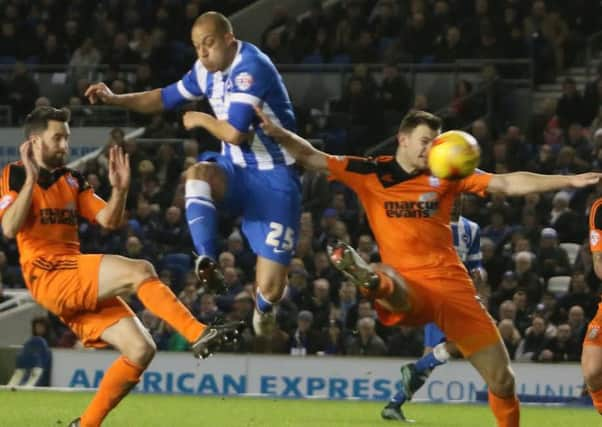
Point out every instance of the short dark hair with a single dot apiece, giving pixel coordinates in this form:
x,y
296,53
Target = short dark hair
x,y
222,24
415,118
37,120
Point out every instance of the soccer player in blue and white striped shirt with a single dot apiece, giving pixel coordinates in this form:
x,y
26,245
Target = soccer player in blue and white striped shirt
x,y
252,176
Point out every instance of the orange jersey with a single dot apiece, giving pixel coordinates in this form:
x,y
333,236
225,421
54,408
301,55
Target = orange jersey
x,y
58,199
409,214
595,226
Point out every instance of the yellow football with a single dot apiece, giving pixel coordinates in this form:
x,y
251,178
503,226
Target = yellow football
x,y
454,154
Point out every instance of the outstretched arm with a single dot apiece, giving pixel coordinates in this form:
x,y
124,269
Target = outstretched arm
x,y
301,149
146,102
522,183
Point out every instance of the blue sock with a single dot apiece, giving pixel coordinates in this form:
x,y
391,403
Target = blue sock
x,y
262,304
427,363
397,400
202,217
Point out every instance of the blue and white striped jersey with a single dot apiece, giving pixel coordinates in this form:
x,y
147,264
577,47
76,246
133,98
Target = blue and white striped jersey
x,y
251,79
467,241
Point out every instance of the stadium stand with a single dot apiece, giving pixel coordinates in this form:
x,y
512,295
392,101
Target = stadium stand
x,y
535,249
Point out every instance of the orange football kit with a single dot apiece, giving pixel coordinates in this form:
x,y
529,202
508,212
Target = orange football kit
x,y
409,216
594,334
58,275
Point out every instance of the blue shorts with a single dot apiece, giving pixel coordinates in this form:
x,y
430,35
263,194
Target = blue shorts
x,y
269,202
433,335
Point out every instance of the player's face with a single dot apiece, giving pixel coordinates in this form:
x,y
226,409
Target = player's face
x,y
52,145
211,46
417,144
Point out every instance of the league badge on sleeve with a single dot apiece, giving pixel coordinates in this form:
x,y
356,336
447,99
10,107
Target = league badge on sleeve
x,y
243,81
6,201
594,237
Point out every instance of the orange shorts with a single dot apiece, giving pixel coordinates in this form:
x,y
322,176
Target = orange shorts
x,y
594,334
67,285
448,299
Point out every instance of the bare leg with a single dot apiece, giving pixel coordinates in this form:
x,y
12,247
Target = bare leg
x,y
137,350
591,364
493,363
271,282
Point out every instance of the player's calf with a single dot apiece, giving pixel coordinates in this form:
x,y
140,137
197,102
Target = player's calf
x,y
205,183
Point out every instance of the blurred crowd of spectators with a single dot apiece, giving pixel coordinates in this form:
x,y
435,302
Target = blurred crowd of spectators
x,y
322,312
523,243
377,31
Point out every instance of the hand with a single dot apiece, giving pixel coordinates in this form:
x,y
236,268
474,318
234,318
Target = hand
x,y
192,119
32,169
585,179
119,169
269,127
100,93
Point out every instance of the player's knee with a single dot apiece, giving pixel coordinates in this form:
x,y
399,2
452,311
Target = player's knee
x,y
272,290
141,350
502,382
592,372
141,271
203,171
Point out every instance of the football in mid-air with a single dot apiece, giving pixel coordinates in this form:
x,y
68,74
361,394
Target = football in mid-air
x,y
454,154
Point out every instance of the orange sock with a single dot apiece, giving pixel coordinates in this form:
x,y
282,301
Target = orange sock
x,y
505,409
119,379
597,399
162,302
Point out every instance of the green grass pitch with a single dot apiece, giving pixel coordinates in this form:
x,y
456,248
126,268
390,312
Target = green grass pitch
x,y
53,408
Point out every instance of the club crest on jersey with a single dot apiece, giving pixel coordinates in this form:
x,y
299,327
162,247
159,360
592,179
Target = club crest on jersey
x,y
72,181
434,181
5,201
593,333
243,81
594,237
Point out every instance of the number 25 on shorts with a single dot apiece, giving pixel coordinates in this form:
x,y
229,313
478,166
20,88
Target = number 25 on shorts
x,y
281,238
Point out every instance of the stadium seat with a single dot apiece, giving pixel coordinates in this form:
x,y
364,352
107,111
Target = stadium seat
x,y
341,58
313,59
572,250
559,285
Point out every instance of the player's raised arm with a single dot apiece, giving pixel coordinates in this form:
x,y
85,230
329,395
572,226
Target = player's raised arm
x,y
16,192
113,214
522,183
146,102
301,149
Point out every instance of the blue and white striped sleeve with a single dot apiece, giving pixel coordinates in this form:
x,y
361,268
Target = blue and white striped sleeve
x,y
474,257
184,90
251,83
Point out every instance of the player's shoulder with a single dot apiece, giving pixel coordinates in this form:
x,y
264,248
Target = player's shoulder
x,y
13,175
596,214
473,225
252,58
361,165
596,204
